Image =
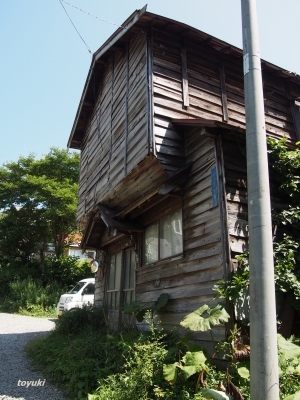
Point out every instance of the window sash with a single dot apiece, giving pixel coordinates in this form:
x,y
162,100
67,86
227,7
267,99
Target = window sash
x,y
121,282
163,239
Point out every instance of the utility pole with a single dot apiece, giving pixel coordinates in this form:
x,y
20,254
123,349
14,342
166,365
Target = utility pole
x,y
263,333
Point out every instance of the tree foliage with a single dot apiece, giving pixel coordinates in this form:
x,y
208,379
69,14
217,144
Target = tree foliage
x,y
38,199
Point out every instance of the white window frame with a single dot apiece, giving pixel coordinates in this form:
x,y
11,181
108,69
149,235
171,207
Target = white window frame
x,y
177,228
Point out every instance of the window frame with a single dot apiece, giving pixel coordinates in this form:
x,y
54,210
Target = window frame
x,y
158,222
121,290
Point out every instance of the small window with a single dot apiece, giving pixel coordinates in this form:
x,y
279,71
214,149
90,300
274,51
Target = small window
x,y
163,239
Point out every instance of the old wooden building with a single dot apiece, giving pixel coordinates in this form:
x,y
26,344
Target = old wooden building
x,y
161,129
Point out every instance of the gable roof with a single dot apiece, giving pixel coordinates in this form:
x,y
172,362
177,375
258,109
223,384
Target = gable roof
x,y
142,21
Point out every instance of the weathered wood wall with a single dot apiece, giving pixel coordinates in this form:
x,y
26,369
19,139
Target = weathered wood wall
x,y
189,279
117,134
192,80
235,167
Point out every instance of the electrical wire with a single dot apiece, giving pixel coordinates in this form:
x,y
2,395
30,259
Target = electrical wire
x,y
89,50
94,16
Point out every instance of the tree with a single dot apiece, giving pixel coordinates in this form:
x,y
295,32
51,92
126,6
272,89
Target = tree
x,y
38,199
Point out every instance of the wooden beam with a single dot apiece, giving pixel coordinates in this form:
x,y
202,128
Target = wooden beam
x,y
223,90
126,110
120,32
149,91
137,203
184,71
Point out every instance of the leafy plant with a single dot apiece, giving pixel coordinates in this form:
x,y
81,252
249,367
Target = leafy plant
x,y
205,318
31,297
160,303
289,367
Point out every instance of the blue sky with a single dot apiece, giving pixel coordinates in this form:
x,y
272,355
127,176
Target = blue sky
x,y
44,63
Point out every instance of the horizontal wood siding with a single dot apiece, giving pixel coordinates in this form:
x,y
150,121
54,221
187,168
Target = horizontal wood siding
x,y
189,279
116,138
209,74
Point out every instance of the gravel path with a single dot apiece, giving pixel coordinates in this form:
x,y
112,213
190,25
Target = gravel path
x,y
15,372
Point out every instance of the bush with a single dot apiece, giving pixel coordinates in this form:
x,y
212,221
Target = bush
x,y
77,320
77,360
30,297
14,271
67,269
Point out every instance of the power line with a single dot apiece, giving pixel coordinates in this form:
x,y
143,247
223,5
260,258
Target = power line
x,y
94,16
89,50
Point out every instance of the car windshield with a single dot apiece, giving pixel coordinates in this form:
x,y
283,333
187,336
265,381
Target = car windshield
x,y
76,288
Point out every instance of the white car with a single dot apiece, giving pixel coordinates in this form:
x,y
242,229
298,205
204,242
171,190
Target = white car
x,y
81,294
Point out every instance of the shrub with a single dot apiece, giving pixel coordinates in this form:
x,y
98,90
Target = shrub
x,y
14,271
30,297
66,269
77,320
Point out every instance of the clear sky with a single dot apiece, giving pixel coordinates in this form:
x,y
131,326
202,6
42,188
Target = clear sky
x,y
44,63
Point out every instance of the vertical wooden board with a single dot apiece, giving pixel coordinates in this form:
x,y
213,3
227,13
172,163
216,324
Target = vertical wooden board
x,y
223,90
185,82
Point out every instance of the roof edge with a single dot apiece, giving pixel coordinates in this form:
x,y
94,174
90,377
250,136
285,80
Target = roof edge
x,y
130,21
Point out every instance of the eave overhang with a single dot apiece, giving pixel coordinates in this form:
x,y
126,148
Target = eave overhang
x,y
121,222
142,21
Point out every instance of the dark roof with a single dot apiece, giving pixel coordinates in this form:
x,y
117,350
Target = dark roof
x,y
139,21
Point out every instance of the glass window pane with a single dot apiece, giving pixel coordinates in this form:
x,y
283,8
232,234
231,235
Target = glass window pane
x,y
118,271
112,273
151,244
117,305
109,300
131,272
129,269
171,235
113,300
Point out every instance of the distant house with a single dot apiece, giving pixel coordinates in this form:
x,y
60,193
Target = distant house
x,y
73,248
163,185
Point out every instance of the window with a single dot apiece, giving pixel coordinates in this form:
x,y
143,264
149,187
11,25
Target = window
x,y
120,285
163,239
89,289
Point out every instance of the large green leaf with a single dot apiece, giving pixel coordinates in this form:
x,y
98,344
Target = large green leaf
x,y
188,370
289,349
170,372
215,394
196,358
293,369
205,318
193,362
295,396
244,372
161,302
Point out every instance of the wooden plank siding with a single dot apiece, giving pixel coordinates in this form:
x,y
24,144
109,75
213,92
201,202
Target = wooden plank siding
x,y
116,136
189,279
215,87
